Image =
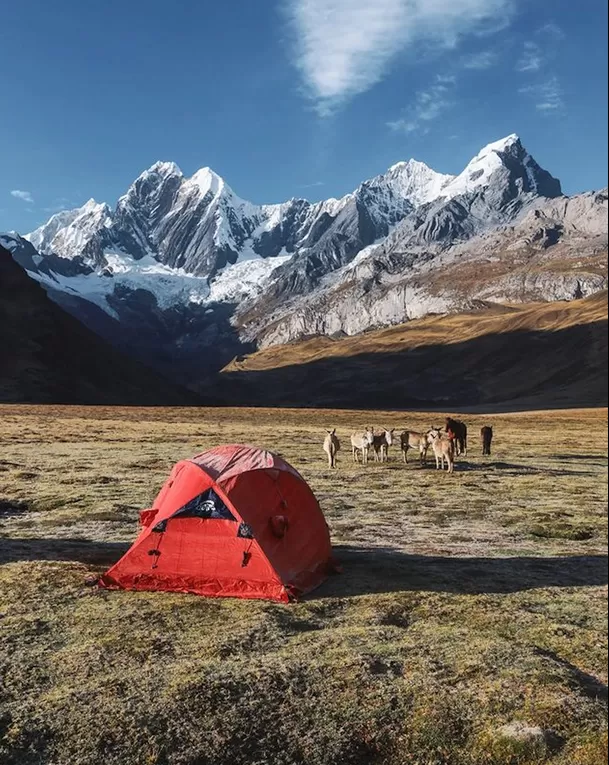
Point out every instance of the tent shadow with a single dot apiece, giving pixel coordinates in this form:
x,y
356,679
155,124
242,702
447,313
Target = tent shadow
x,y
367,571
82,550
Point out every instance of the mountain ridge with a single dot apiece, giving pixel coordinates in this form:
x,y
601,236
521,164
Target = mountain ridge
x,y
144,218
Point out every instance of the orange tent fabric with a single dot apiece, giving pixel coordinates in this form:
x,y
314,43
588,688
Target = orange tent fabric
x,y
235,521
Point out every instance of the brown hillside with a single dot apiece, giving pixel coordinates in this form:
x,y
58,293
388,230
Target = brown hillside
x,y
547,354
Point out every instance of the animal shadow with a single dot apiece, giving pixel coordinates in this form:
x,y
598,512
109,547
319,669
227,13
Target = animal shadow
x,y
510,468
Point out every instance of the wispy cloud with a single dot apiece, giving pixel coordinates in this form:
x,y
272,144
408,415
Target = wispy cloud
x,y
343,47
58,206
551,31
536,52
483,60
428,105
313,185
25,196
531,59
548,95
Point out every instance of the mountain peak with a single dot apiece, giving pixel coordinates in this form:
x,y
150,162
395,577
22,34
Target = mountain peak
x,y
164,168
91,206
206,180
156,175
501,145
508,156
409,164
150,185
43,236
415,181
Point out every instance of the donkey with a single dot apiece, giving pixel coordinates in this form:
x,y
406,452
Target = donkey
x,y
486,433
443,449
381,443
361,442
331,447
410,439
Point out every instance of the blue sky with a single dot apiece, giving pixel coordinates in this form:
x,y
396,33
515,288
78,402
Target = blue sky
x,y
290,98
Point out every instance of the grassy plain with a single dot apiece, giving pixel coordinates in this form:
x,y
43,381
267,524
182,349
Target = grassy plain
x,y
465,603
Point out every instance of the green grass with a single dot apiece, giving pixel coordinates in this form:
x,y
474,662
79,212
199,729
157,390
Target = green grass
x,y
465,603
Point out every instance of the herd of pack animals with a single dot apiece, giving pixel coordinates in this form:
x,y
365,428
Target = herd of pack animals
x,y
446,444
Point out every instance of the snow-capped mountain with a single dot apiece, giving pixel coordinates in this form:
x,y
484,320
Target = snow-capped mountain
x,y
185,274
200,225
76,233
556,249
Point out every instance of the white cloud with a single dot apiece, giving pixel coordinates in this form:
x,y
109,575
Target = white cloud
x,y
25,196
59,204
428,105
548,95
532,58
536,52
483,60
551,31
343,47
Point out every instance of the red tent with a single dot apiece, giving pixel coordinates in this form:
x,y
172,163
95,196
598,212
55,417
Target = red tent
x,y
235,521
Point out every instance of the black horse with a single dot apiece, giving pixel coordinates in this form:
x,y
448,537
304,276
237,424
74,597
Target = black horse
x,y
457,430
486,433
